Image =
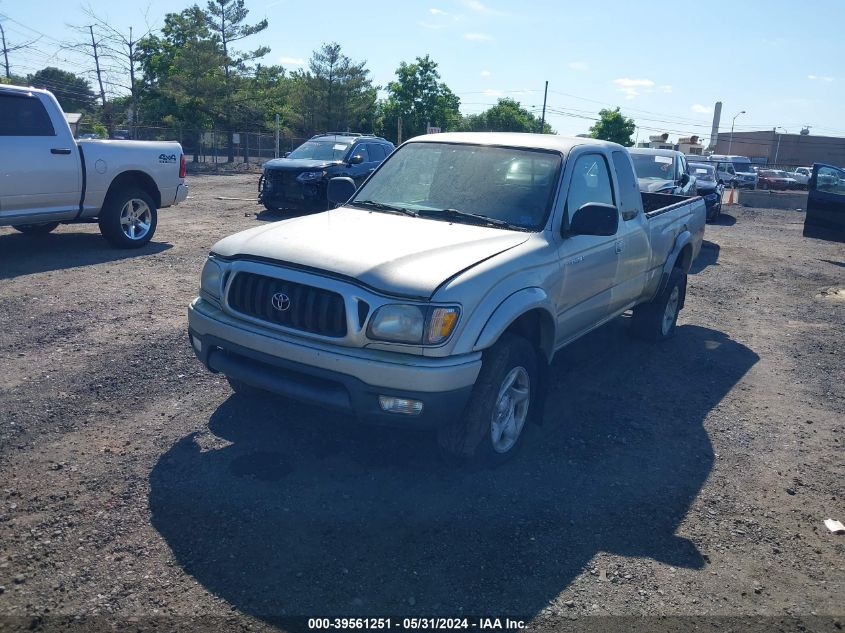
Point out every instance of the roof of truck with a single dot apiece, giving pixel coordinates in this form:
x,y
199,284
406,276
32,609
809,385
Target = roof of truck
x,y
10,88
552,142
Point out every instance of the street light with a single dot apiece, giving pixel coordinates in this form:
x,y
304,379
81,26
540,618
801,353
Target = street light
x,y
777,149
731,140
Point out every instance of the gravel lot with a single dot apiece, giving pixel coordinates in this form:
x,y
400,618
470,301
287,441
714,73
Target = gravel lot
x,y
691,478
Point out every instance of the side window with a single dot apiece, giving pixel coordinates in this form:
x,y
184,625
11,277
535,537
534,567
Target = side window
x,y
630,200
831,180
24,116
362,150
376,152
590,183
682,166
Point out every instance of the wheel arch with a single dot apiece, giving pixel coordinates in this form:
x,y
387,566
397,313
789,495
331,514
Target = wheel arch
x,y
527,313
138,179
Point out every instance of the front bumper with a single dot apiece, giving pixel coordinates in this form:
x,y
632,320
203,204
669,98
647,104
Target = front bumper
x,y
281,190
348,380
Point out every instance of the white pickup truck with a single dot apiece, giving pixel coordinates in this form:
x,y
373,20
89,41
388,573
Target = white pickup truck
x,y
48,178
440,291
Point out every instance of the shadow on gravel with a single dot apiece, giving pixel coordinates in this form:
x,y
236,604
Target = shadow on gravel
x,y
708,256
287,511
26,254
725,219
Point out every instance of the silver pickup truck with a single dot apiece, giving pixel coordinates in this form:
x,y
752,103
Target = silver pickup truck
x,y
48,178
438,293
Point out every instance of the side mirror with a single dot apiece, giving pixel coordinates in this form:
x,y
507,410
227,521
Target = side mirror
x,y
684,179
595,218
340,190
357,159
286,154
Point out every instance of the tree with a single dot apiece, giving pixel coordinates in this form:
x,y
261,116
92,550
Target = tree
x,y
418,97
614,126
74,93
224,19
506,116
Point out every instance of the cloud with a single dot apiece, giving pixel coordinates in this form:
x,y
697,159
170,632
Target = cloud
x,y
486,73
480,7
578,66
820,78
291,61
700,109
477,37
493,93
628,86
666,88
437,12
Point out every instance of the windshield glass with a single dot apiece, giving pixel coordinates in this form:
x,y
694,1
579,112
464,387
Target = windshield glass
x,y
320,150
702,172
515,186
743,167
653,167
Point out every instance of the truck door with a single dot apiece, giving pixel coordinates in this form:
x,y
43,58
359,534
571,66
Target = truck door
x,y
39,166
826,203
588,262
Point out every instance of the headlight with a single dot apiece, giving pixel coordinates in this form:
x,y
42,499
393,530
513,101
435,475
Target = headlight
x,y
211,279
417,325
310,176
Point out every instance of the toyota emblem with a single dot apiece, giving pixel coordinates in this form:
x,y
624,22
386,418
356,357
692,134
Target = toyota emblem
x,y
281,302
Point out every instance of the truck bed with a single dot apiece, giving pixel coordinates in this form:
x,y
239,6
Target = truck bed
x,y
657,203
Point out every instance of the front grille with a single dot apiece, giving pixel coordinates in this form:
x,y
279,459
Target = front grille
x,y
310,309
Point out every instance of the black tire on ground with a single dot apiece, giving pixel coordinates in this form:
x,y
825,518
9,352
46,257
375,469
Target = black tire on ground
x,y
470,438
118,223
36,229
656,320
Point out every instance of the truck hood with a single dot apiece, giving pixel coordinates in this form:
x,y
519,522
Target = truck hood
x,y
298,164
394,254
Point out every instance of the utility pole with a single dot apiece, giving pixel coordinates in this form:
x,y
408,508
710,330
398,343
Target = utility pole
x,y
543,118
97,65
399,130
276,154
731,140
5,50
777,149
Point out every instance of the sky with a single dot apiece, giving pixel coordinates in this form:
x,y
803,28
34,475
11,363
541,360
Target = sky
x,y
664,64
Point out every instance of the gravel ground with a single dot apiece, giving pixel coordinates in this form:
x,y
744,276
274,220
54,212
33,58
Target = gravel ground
x,y
689,478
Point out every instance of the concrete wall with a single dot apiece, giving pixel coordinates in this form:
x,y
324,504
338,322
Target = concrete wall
x,y
762,199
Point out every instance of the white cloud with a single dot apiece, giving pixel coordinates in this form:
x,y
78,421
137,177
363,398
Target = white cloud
x,y
486,73
628,86
493,93
291,61
700,109
437,12
667,88
480,7
477,37
819,78
578,66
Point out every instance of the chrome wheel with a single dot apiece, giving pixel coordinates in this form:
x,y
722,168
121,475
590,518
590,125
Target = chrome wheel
x,y
671,310
510,410
136,218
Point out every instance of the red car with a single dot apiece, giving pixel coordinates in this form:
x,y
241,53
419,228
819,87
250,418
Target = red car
x,y
776,179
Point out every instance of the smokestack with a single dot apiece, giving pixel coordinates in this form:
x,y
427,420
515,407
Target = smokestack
x,y
714,133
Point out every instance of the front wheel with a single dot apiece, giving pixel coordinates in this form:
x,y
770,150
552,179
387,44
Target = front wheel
x,y
129,218
656,320
36,229
492,426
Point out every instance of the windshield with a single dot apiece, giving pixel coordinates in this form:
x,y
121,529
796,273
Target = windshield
x,y
703,172
743,167
320,150
508,185
653,167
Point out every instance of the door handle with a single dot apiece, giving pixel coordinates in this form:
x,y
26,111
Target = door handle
x,y
620,246
60,150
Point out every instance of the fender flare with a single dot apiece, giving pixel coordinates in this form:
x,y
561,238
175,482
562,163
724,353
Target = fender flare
x,y
509,310
683,239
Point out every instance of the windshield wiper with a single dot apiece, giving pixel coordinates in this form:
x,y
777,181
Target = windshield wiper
x,y
476,217
380,206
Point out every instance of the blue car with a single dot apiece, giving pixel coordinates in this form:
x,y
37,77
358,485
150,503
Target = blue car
x,y
708,187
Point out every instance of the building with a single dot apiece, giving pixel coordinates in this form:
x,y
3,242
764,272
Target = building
x,y
786,150
657,141
73,119
690,145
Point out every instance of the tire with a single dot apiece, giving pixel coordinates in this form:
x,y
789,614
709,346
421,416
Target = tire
x,y
129,218
36,229
656,320
492,426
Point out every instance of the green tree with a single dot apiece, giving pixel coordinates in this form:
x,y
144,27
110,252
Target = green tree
x,y
614,126
418,97
506,116
224,19
74,93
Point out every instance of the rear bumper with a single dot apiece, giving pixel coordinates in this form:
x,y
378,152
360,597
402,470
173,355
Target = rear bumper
x,y
181,193
348,381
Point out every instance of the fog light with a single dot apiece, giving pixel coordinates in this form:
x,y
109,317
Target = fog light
x,y
196,344
400,405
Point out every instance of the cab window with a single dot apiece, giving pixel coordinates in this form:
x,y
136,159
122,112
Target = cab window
x,y
590,183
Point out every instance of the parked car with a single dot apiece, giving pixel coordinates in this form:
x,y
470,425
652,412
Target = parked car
x,y
708,187
439,292
725,172
745,175
49,178
826,203
776,179
662,171
802,175
298,181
